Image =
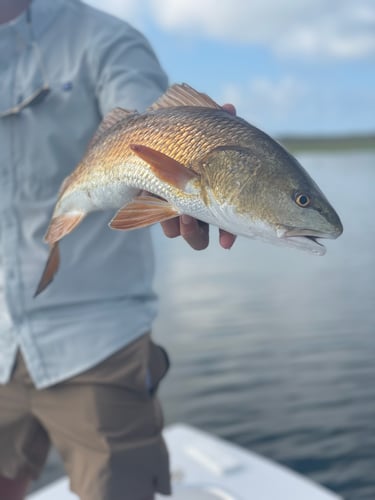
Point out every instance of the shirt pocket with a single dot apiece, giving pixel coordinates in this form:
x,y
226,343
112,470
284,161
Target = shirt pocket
x,y
58,129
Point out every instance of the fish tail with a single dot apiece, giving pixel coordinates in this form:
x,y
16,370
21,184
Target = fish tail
x,y
50,269
59,227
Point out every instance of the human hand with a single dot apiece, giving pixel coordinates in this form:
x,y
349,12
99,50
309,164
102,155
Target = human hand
x,y
195,232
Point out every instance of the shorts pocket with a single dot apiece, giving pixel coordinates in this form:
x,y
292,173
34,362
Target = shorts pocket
x,y
158,367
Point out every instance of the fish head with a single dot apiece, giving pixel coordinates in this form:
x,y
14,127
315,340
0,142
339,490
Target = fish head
x,y
263,192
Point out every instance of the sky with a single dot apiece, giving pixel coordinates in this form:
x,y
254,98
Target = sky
x,y
289,66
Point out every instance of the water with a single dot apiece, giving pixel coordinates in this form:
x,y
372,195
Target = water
x,y
274,348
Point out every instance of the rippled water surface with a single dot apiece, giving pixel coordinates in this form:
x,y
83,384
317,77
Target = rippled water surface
x,y
274,348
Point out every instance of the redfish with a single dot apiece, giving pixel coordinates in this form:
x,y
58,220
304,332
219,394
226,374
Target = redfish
x,y
194,158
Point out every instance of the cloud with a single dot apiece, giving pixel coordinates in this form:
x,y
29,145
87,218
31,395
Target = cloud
x,y
313,28
291,105
343,29
267,103
278,96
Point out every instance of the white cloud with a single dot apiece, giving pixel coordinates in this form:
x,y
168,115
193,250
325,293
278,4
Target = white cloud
x,y
313,28
291,105
268,104
334,28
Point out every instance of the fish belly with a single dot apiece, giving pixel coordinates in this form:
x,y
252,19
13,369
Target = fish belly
x,y
90,199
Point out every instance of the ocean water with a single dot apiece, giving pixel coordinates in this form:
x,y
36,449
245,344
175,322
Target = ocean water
x,y
274,348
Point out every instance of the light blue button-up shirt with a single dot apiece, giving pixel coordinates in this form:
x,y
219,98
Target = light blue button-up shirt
x,y
102,297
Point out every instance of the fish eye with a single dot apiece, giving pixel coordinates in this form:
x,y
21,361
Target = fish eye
x,y
303,200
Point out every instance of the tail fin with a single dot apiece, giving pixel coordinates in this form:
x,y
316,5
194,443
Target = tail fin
x,y
50,269
59,227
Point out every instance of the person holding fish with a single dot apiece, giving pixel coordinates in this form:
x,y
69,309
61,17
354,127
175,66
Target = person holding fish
x,y
78,367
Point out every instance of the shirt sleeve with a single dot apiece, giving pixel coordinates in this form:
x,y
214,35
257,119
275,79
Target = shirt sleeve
x,y
126,71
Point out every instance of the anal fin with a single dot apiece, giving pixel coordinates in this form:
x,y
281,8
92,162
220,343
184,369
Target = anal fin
x,y
144,211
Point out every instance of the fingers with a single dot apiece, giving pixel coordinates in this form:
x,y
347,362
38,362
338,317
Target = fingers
x,y
194,232
230,108
226,239
171,227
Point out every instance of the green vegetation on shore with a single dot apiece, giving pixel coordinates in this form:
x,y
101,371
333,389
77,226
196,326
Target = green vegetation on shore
x,y
328,143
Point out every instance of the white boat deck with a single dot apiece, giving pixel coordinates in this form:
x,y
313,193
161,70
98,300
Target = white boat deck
x,y
205,467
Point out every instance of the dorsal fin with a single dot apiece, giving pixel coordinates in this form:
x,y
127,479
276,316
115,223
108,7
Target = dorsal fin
x,y
183,95
113,117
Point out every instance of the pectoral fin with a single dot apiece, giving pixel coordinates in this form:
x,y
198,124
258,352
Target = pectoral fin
x,y
143,211
164,167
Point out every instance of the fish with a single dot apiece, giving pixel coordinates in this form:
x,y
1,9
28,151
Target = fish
x,y
187,155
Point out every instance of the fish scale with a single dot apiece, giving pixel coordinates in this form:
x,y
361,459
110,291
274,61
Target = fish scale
x,y
186,141
193,158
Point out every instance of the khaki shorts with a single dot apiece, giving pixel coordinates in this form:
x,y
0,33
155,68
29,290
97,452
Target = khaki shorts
x,y
105,423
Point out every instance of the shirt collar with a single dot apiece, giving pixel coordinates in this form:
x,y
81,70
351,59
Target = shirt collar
x,y
18,42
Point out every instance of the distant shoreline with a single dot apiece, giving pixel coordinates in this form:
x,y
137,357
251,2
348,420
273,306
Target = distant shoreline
x,y
328,143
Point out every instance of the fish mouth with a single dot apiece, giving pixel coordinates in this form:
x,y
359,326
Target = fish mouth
x,y
307,239
311,233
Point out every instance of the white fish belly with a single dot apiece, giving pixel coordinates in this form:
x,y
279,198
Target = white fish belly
x,y
86,199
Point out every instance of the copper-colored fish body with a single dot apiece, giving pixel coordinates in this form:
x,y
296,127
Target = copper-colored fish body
x,y
194,158
185,134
